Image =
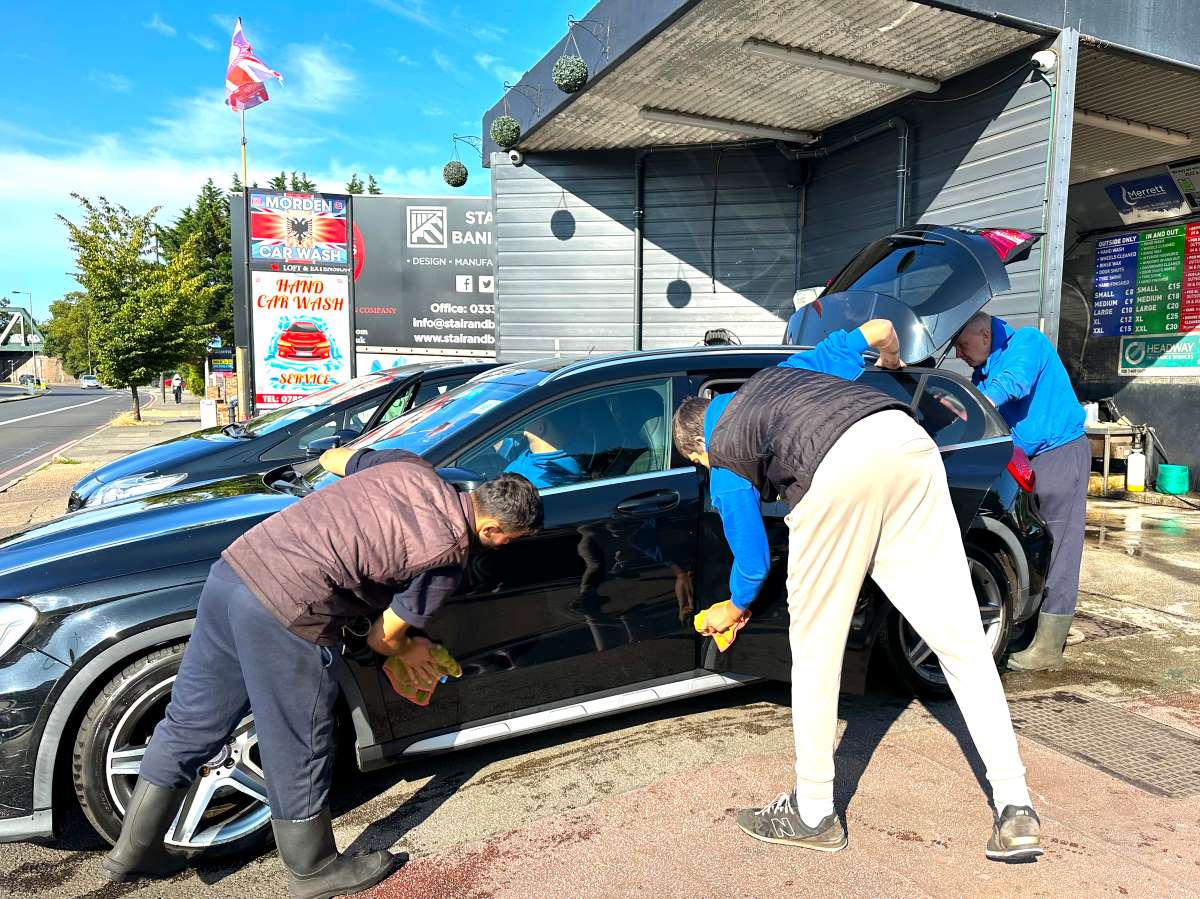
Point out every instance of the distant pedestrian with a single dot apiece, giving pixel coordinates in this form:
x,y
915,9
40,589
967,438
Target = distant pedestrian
x,y
177,386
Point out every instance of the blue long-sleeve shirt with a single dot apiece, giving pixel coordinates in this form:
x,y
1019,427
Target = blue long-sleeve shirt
x,y
736,500
1026,381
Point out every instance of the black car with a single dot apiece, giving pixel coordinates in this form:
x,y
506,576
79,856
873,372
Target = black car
x,y
590,617
290,433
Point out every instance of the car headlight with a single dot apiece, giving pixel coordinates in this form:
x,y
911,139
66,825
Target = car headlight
x,y
16,619
128,488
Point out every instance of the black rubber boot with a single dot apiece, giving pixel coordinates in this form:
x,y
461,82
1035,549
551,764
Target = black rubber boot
x,y
316,870
1046,650
140,852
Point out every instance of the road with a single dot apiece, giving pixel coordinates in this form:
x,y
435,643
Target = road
x,y
33,430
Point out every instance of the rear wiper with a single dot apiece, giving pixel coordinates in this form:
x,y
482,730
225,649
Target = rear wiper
x,y
916,238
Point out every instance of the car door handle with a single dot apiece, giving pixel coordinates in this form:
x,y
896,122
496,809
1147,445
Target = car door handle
x,y
649,503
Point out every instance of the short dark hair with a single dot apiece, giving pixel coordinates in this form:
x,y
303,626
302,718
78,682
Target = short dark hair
x,y
512,500
688,424
720,337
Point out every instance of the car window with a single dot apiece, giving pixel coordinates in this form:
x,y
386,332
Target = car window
x,y
602,434
353,418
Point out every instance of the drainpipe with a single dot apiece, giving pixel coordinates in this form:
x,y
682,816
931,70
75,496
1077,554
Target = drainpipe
x,y
903,169
639,214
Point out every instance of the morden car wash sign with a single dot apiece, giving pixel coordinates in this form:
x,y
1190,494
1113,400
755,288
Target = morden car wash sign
x,y
302,231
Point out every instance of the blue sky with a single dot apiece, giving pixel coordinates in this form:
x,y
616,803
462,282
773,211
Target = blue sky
x,y
127,100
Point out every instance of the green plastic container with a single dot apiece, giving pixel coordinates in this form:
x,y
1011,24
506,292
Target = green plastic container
x,y
1172,479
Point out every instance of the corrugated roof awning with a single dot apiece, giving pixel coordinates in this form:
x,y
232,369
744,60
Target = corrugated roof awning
x,y
706,60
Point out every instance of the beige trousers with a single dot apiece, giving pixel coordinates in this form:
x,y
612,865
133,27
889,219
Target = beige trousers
x,y
879,505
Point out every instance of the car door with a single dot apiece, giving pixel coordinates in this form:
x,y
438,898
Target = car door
x,y
975,449
599,599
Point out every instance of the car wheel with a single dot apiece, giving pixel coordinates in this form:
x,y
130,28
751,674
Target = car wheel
x,y
993,577
226,810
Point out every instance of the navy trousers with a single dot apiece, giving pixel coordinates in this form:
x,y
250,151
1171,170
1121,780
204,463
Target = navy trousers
x,y
1062,482
241,659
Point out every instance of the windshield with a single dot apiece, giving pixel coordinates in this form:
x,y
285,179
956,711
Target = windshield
x,y
272,421
437,420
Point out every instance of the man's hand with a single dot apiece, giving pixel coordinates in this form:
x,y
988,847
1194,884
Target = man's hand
x,y
889,360
335,460
417,657
721,618
881,335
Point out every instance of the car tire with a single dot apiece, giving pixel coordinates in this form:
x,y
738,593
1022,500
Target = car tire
x,y
994,579
104,769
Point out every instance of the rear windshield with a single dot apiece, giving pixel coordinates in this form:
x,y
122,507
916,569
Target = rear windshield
x,y
927,277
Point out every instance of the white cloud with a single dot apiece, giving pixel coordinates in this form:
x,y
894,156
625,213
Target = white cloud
x,y
111,80
157,24
489,33
224,21
433,111
415,11
497,68
444,62
206,42
401,58
324,81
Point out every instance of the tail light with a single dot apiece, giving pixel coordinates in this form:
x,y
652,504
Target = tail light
x,y
1021,470
1010,246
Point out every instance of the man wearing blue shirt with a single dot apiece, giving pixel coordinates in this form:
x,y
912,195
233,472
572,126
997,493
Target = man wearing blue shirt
x,y
868,496
1020,372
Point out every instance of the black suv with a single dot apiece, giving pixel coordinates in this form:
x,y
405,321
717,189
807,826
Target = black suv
x,y
590,617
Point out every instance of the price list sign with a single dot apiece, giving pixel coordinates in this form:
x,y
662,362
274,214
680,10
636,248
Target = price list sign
x,y
1115,285
1189,315
1147,282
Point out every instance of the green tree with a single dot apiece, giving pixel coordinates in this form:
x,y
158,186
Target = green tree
x,y
279,182
67,332
302,184
372,185
355,185
145,317
236,187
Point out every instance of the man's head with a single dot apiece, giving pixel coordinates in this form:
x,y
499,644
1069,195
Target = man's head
x,y
974,342
506,507
688,429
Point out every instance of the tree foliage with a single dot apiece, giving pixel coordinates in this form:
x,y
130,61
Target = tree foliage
x,y
66,332
372,185
355,184
146,317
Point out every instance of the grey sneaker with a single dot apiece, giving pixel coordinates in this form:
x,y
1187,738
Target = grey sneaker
x,y
1016,835
779,823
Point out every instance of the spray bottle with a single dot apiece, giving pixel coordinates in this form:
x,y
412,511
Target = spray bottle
x,y
1135,466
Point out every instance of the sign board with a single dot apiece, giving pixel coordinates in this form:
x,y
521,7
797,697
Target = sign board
x,y
425,282
1147,199
301,328
221,361
1187,179
214,343
1147,282
1161,355
299,233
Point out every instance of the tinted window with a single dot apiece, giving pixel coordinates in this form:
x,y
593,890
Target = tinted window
x,y
602,434
352,418
272,421
928,277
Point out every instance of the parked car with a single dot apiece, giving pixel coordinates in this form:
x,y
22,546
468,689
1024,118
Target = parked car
x,y
303,340
290,433
589,617
89,382
32,381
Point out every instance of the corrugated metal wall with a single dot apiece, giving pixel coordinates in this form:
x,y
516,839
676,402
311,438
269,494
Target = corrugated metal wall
x,y
564,222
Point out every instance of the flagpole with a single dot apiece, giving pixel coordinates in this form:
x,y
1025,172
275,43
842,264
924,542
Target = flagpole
x,y
245,178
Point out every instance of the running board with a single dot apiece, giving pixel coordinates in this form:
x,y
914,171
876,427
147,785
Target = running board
x,y
531,722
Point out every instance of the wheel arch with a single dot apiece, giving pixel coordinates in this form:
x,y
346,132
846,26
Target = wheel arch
x,y
988,533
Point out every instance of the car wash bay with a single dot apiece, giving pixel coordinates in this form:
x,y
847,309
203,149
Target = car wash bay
x,y
704,175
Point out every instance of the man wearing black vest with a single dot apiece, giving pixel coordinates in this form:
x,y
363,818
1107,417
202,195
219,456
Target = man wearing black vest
x,y
389,541
868,496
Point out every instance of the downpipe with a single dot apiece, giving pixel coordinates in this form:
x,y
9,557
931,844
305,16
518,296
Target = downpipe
x,y
639,215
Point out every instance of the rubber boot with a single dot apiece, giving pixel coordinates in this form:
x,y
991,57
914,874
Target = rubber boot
x,y
316,870
1046,650
140,852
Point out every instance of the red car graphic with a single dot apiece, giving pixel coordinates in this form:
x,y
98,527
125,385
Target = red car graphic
x,y
303,340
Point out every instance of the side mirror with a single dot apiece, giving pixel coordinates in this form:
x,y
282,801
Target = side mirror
x,y
463,479
318,446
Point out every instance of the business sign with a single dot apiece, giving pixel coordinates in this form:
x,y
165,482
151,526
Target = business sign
x,y
1147,282
301,329
1161,355
299,233
425,281
1187,179
221,362
1147,199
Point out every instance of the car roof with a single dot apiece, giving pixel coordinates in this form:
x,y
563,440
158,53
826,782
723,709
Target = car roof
x,y
701,358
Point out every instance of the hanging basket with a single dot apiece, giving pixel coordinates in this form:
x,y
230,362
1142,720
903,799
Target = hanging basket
x,y
570,74
505,131
454,173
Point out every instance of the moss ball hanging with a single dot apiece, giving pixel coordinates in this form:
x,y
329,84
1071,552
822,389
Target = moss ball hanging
x,y
506,131
454,173
570,74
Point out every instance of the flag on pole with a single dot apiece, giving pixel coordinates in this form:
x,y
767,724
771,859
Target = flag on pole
x,y
246,73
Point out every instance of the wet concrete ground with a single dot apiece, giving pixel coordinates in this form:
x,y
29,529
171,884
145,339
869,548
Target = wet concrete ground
x,y
642,805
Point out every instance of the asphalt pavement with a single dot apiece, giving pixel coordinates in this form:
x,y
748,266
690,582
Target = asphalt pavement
x,y
34,430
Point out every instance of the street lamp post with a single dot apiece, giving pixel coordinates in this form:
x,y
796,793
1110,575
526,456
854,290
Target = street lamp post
x,y
36,373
